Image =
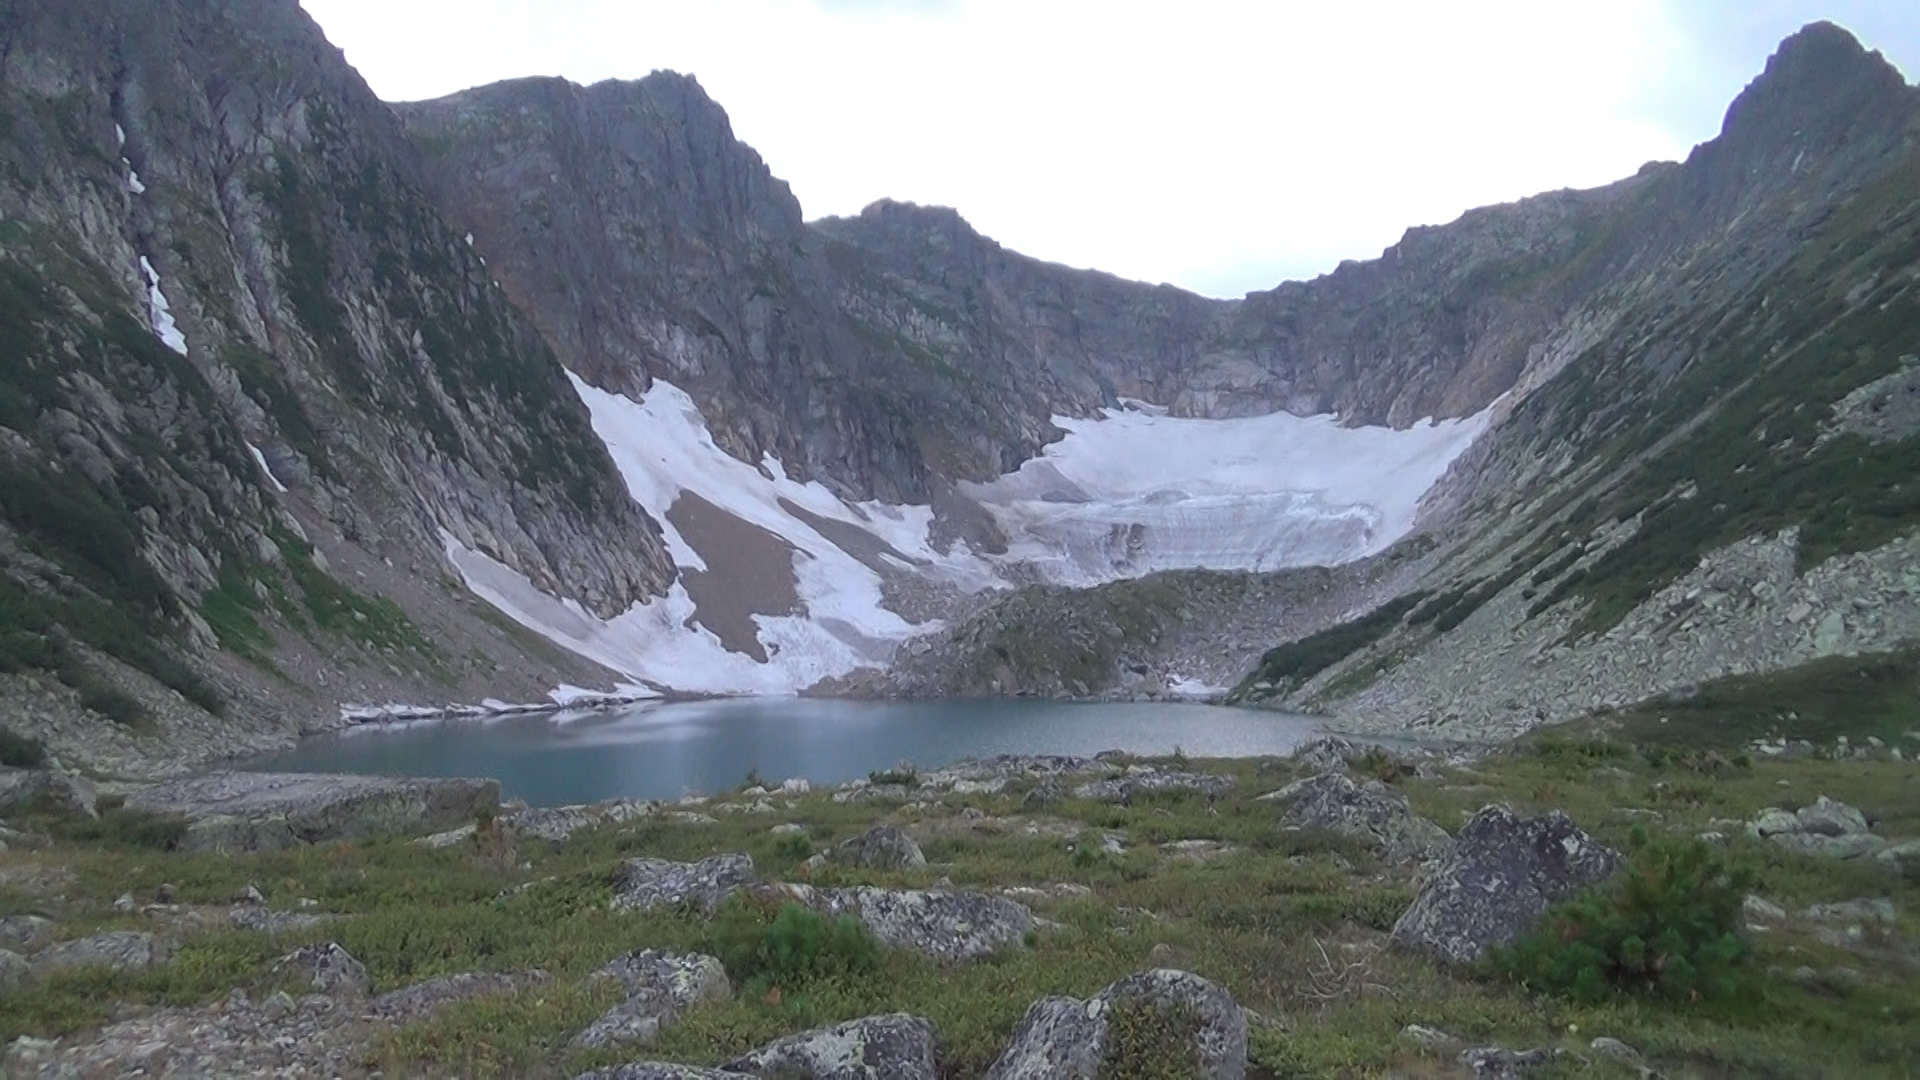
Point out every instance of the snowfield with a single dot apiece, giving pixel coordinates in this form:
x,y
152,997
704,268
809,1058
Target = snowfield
x,y
1129,493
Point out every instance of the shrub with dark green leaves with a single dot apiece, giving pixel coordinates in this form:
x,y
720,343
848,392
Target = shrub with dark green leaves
x,y
20,751
791,948
1668,926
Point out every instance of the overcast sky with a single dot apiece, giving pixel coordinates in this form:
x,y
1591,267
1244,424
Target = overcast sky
x,y
1220,145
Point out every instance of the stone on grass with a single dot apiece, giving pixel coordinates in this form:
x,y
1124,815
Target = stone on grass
x,y
24,933
951,927
656,1070
1073,1039
1141,781
1498,1063
231,812
895,1046
13,971
645,884
421,1000
45,789
1367,811
1503,873
328,969
883,847
115,950
660,988
1826,829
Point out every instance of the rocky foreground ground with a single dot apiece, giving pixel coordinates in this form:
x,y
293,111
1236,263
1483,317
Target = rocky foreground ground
x,y
1328,914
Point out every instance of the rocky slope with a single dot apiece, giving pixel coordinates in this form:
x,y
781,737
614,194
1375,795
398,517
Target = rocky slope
x,y
252,378
1719,479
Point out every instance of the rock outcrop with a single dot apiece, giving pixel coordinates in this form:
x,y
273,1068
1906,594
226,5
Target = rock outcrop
x,y
883,847
1368,811
1064,1037
660,988
949,926
1503,873
237,812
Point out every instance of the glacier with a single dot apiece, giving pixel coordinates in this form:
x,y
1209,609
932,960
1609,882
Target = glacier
x,y
1127,492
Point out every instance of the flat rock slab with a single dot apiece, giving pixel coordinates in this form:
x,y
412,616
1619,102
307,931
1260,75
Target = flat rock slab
x,y
891,1047
1141,781
116,950
947,926
645,884
421,1000
232,812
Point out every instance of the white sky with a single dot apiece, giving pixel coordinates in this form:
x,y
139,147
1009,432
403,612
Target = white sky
x,y
1220,145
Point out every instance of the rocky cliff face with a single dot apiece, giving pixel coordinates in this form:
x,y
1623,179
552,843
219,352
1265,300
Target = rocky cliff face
x,y
893,352
237,329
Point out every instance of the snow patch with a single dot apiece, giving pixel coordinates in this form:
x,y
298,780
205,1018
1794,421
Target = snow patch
x,y
1135,491
1128,493
266,470
160,312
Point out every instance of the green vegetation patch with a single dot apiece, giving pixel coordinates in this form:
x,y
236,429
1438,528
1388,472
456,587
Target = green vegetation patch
x,y
1288,667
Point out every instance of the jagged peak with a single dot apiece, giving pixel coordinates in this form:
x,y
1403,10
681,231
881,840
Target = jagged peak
x,y
1819,71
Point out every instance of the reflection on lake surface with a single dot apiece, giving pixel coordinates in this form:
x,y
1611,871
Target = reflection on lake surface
x,y
668,750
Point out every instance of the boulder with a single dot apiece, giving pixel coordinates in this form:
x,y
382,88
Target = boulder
x,y
14,971
1142,781
231,812
656,1070
891,1047
1069,1038
1329,753
265,920
1901,859
646,883
328,969
1503,873
660,987
948,926
115,950
1499,1063
25,933
421,1000
1827,829
45,789
1367,811
556,824
882,847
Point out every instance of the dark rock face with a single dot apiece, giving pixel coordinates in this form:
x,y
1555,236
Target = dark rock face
x,y
1065,1037
1503,874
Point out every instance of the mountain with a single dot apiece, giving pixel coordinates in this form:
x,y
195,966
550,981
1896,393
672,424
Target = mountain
x,y
252,379
313,400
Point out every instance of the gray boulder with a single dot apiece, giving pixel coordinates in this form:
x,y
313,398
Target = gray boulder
x,y
1074,1040
1367,811
1140,781
660,987
948,926
116,950
25,933
646,883
1826,829
44,789
1901,859
421,1000
1499,1063
556,824
891,1047
656,1070
1329,753
231,812
328,968
14,971
1503,873
882,847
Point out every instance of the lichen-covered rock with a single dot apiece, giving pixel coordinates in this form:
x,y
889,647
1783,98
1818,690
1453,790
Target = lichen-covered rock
x,y
660,987
556,823
232,812
891,1047
1141,781
265,920
656,1070
1827,828
116,950
1902,859
646,883
1503,873
1329,753
945,925
59,792
328,968
883,847
1499,1063
1368,811
1066,1038
421,1000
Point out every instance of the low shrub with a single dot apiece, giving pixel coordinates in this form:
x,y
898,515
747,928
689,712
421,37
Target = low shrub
x,y
118,828
1149,1041
794,847
20,751
903,775
795,946
1668,926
